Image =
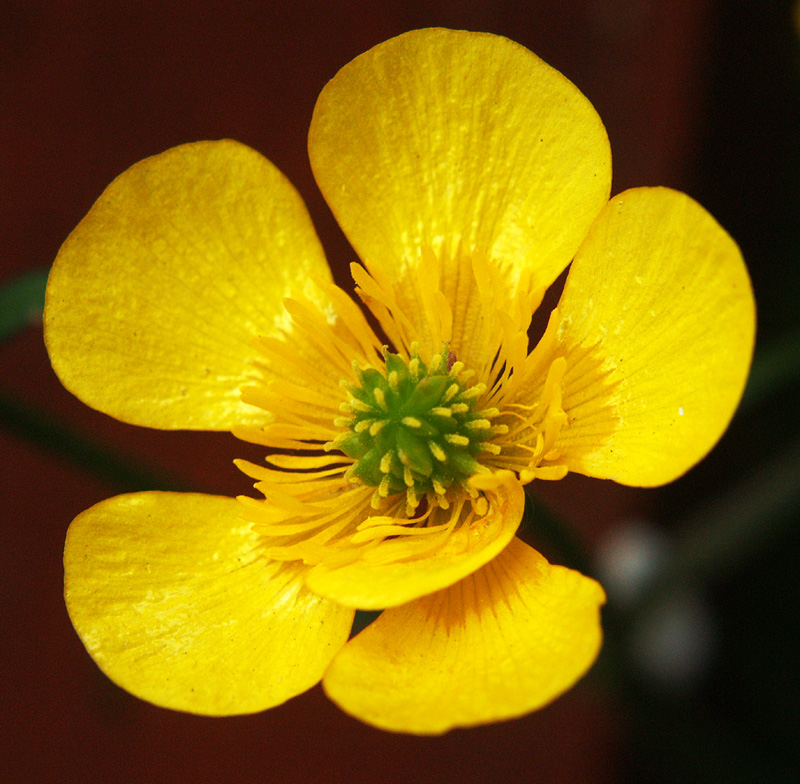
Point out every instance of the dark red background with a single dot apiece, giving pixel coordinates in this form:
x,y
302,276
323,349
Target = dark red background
x,y
87,89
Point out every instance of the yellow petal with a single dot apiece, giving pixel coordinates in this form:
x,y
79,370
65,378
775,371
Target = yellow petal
x,y
457,140
659,309
173,600
155,298
421,566
501,643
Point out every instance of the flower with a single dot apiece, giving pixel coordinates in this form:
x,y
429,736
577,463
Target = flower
x,y
467,174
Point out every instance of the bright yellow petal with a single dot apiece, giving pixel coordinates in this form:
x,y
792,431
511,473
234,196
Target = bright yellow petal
x,y
449,139
501,643
659,311
155,298
173,600
405,568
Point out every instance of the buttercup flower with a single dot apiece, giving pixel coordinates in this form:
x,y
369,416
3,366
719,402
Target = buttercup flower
x,y
467,174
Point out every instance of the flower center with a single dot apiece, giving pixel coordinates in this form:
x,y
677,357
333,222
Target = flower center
x,y
415,428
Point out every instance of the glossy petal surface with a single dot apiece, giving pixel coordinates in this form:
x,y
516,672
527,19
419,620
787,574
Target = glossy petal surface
x,y
504,641
450,139
174,602
659,309
155,298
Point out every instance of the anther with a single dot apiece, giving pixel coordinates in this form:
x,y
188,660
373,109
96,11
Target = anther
x,y
437,451
474,391
414,428
376,427
451,392
439,487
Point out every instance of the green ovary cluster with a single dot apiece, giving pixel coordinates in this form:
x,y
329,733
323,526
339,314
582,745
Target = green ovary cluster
x,y
414,429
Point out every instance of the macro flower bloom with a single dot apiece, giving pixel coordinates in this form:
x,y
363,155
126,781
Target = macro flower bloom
x,y
467,175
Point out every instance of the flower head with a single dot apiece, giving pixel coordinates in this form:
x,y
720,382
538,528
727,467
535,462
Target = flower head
x,y
467,174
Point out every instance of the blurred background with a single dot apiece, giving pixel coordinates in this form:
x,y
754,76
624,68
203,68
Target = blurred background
x,y
698,679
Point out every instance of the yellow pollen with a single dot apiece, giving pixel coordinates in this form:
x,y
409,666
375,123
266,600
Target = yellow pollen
x,y
411,422
437,451
451,392
376,427
478,389
455,438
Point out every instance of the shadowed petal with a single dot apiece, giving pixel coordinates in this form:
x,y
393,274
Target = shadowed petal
x,y
502,642
405,568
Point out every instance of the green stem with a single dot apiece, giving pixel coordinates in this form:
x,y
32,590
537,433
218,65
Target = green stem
x,y
22,302
28,423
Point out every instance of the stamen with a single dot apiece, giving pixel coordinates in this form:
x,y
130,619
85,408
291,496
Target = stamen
x,y
437,451
376,427
415,426
451,392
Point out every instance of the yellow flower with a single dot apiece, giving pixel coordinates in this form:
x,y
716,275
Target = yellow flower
x,y
467,174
